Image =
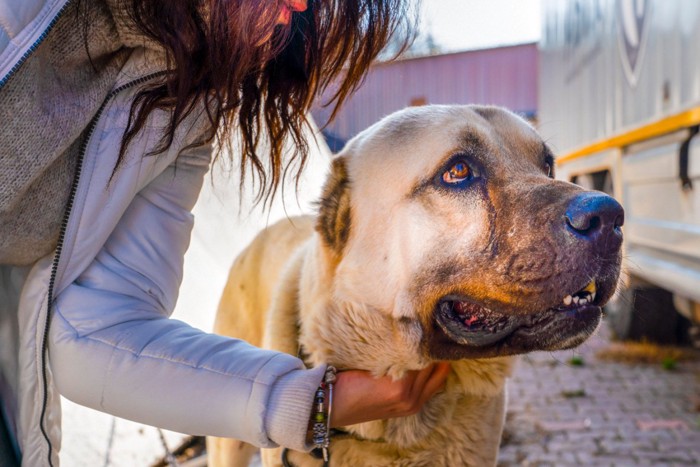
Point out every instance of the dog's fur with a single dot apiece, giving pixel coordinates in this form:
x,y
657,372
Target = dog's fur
x,y
360,285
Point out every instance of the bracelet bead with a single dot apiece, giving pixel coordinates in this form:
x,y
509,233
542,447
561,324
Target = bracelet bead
x,y
320,429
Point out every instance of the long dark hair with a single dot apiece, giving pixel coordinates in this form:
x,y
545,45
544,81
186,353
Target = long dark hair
x,y
257,78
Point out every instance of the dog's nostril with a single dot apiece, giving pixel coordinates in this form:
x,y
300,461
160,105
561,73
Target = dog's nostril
x,y
619,221
595,216
582,223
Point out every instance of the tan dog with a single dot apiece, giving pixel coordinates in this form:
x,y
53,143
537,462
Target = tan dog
x,y
441,235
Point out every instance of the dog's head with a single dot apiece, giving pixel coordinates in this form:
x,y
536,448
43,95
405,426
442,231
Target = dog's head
x,y
447,219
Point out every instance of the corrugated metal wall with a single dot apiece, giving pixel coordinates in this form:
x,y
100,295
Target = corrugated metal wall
x,y
505,76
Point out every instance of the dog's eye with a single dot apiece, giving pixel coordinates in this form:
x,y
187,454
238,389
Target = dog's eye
x,y
458,173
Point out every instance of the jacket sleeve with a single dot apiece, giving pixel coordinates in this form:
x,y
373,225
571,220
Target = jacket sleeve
x,y
114,348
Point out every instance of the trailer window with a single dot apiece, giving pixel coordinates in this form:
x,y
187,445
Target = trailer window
x,y
601,181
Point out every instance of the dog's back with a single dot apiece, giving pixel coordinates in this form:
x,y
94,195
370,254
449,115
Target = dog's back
x,y
253,276
244,303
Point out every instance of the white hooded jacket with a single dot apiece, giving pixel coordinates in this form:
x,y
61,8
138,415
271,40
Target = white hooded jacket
x,y
107,292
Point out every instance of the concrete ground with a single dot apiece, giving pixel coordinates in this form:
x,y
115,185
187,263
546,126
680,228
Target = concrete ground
x,y
601,413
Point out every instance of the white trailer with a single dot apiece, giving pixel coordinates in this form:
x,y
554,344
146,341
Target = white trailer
x,y
619,99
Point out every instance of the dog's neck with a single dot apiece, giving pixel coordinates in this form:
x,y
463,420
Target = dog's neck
x,y
353,335
350,334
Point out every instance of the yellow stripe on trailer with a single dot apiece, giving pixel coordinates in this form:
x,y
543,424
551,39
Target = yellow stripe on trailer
x,y
659,127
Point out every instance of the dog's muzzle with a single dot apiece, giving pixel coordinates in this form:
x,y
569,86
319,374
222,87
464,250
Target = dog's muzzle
x,y
468,323
590,225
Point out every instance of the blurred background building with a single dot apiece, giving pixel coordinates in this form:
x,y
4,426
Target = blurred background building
x,y
504,76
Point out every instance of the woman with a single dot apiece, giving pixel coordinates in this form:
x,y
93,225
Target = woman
x,y
108,110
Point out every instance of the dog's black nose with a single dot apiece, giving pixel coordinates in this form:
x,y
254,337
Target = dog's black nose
x,y
596,217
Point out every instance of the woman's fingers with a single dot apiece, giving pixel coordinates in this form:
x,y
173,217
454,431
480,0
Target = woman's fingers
x,y
436,381
359,397
425,384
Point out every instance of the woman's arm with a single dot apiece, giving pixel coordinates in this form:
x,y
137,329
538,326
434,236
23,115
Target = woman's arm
x,y
114,348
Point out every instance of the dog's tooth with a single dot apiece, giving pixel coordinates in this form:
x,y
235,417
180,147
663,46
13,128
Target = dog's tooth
x,y
592,296
583,301
591,288
576,300
567,300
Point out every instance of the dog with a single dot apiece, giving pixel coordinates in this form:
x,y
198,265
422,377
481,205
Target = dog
x,y
441,234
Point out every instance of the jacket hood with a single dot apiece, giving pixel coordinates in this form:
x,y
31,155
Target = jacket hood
x,y
25,23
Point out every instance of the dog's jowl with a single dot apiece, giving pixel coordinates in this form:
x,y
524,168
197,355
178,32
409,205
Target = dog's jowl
x,y
442,235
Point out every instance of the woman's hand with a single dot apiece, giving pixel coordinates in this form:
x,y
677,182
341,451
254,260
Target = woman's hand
x,y
360,397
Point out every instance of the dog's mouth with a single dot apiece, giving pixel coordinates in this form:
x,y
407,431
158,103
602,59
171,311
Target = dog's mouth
x,y
471,324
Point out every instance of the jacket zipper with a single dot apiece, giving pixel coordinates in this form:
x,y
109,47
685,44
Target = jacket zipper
x,y
61,239
36,44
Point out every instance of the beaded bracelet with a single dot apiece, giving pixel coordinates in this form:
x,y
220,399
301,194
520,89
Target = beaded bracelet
x,y
320,429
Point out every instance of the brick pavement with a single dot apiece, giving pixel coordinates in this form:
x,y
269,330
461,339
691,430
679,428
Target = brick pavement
x,y
601,413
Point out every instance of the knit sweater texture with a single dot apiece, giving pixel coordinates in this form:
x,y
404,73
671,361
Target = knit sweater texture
x,y
45,109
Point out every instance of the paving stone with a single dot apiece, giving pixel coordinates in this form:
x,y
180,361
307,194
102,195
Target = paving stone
x,y
637,414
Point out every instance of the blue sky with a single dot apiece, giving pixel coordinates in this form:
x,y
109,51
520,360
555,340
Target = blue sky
x,y
473,24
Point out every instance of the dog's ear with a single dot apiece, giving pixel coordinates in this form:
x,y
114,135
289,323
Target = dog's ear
x,y
333,222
